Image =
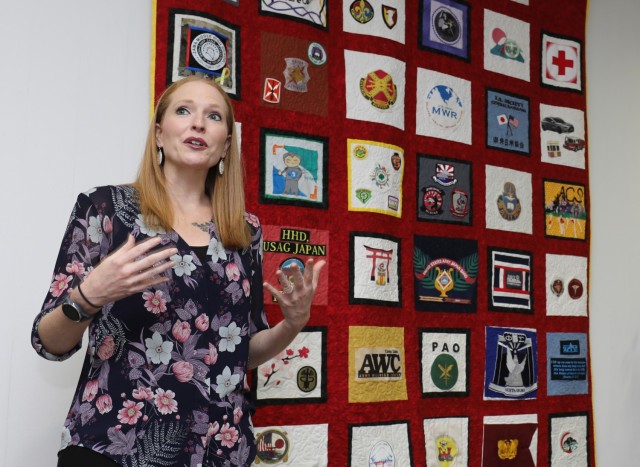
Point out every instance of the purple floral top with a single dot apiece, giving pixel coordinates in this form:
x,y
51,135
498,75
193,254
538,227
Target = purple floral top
x,y
164,378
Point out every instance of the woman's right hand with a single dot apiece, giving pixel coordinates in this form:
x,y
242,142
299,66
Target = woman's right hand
x,y
132,268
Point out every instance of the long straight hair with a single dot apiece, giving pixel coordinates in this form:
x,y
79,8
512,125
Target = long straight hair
x,y
226,192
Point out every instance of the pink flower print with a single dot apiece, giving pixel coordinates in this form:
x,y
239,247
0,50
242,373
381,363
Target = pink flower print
x,y
303,352
212,358
130,413
59,284
154,302
165,401
76,268
183,371
90,390
233,271
181,331
107,225
143,394
228,435
202,322
104,404
246,286
237,415
106,349
252,219
212,430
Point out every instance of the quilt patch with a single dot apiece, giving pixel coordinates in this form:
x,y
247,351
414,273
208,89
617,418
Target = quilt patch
x,y
567,363
562,136
309,12
375,88
506,45
444,27
511,363
565,210
509,200
445,274
508,122
510,440
292,445
561,62
293,168
566,278
375,177
443,106
377,18
444,362
510,276
377,369
569,440
444,190
374,276
380,444
447,441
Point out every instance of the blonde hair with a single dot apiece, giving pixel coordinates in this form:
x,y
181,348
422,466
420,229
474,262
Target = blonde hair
x,y
225,191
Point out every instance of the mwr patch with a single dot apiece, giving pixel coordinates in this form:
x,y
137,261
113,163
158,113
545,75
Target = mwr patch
x,y
445,274
510,280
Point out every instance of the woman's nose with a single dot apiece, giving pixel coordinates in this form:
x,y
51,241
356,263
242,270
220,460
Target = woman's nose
x,y
198,123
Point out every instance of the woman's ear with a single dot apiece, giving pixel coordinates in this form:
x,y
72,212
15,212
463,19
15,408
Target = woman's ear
x,y
158,135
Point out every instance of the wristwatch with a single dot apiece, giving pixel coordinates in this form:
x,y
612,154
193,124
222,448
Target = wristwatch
x,y
74,311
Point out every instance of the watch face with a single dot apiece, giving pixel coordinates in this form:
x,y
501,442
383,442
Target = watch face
x,y
71,312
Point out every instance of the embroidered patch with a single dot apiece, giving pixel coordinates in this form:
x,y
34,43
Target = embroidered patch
x,y
565,210
444,362
561,62
375,87
380,444
510,440
446,441
445,274
507,122
506,45
301,68
375,18
443,107
374,269
375,178
376,364
444,190
567,277
508,202
567,365
293,168
272,90
298,374
203,44
292,444
569,439
511,364
444,27
562,136
510,280
314,13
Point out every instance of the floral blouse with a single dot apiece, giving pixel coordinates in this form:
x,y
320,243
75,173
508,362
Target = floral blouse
x,y
164,378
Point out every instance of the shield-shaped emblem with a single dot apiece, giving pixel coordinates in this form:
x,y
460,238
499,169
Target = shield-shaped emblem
x,y
459,203
390,16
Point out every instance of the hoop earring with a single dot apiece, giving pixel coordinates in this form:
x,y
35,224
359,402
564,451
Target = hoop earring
x,y
221,167
160,157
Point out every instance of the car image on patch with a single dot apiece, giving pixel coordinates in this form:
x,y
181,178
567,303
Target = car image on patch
x,y
556,124
573,143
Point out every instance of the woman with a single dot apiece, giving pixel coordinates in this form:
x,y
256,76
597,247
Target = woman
x,y
166,274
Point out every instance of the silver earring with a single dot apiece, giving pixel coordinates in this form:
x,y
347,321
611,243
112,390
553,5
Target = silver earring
x,y
160,157
221,167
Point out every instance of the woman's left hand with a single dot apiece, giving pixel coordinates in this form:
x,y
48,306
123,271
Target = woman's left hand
x,y
298,289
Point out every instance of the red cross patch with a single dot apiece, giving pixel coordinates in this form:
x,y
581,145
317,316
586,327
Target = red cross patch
x,y
561,63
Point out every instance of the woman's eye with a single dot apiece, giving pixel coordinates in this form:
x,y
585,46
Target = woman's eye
x,y
182,111
215,116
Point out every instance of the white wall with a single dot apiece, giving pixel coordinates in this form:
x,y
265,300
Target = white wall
x,y
74,97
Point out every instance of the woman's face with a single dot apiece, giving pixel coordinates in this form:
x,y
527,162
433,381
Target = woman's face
x,y
193,131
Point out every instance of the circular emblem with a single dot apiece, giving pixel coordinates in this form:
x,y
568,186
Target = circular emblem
x,y
381,455
557,287
508,203
568,443
360,152
445,25
381,177
272,446
307,378
575,289
511,49
361,11
432,200
316,54
209,51
444,106
378,87
444,371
